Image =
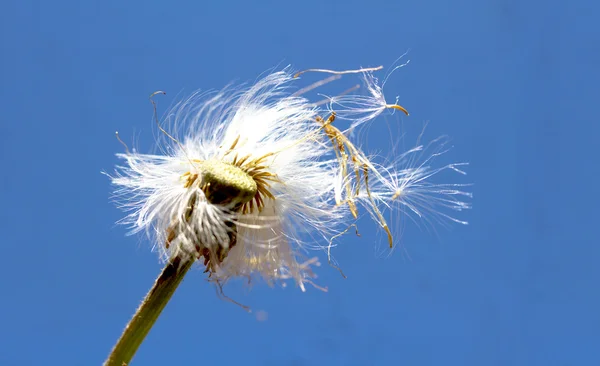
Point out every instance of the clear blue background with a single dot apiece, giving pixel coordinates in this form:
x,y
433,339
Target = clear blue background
x,y
515,83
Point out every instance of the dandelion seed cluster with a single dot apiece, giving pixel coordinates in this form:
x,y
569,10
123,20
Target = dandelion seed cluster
x,y
259,175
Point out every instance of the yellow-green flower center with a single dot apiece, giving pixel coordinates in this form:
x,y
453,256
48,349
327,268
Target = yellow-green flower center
x,y
226,184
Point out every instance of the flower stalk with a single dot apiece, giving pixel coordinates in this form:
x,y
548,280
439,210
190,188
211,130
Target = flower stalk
x,y
146,315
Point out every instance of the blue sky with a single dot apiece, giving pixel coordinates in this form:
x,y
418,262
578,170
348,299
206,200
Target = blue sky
x,y
514,83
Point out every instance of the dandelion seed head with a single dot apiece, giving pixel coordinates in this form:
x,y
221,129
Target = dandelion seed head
x,y
247,176
253,178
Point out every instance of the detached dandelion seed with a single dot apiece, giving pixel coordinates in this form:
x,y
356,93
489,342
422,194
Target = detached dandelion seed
x,y
255,173
360,109
410,189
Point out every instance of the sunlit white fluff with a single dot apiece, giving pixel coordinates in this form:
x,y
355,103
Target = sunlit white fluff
x,y
264,120
313,187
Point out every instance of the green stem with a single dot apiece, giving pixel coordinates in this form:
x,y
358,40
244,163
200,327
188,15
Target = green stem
x,y
146,315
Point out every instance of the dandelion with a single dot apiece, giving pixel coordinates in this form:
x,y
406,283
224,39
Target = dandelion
x,y
250,179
